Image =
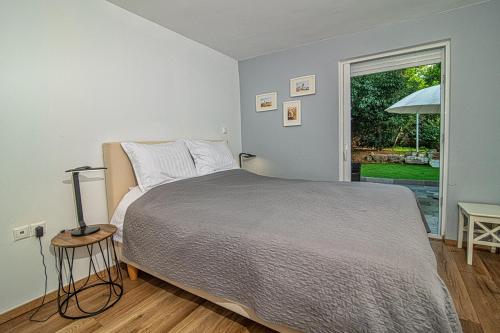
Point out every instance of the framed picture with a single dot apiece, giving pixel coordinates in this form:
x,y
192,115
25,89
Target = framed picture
x,y
291,113
266,102
304,85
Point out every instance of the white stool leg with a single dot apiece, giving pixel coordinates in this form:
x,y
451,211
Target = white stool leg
x,y
470,240
460,228
493,248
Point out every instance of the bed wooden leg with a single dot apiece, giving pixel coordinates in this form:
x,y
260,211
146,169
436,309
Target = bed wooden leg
x,y
132,272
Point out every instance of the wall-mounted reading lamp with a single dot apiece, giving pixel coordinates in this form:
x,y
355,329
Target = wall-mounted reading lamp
x,y
245,155
83,230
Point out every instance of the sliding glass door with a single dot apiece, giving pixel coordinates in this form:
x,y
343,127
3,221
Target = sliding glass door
x,y
393,124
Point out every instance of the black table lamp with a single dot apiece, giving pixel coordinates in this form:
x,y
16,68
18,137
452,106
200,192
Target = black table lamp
x,y
83,230
245,155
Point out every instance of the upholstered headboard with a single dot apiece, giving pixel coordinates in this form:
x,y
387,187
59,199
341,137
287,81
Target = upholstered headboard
x,y
119,175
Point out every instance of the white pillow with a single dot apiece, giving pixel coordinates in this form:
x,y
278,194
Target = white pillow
x,y
156,164
210,157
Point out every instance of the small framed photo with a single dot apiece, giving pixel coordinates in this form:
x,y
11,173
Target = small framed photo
x,y
291,113
266,102
304,85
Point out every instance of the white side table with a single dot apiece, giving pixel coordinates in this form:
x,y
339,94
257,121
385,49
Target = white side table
x,y
486,217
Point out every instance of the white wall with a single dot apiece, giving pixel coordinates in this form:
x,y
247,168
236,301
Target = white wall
x,y
75,74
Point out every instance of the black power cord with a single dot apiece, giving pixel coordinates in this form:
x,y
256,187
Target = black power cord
x,y
39,234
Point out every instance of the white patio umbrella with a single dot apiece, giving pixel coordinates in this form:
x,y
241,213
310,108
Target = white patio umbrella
x,y
423,101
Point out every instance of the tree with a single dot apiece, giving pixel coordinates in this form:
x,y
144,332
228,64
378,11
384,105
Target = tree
x,y
422,76
371,94
419,78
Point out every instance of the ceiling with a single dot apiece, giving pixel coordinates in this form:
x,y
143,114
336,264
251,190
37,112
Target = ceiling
x,y
244,29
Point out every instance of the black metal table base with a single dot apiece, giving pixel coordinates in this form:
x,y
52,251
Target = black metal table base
x,y
109,280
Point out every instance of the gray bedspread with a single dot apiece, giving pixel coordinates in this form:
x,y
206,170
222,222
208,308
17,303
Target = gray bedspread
x,y
315,256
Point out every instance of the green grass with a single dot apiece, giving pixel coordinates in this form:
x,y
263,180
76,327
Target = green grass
x,y
399,171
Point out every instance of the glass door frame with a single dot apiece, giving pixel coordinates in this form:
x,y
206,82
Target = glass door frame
x,y
345,118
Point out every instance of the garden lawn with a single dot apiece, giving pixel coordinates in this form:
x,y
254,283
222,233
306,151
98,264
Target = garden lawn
x,y
399,171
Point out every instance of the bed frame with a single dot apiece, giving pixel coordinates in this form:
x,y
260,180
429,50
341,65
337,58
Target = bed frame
x,y
119,178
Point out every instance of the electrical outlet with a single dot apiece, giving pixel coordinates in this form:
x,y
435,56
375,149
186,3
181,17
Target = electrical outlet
x,y
34,225
21,232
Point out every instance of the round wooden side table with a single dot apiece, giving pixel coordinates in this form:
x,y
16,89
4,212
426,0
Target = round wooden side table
x,y
100,249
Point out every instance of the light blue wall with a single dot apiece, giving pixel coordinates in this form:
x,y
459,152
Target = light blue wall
x,y
311,150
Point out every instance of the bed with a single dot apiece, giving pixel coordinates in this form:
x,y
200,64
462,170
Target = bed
x,y
293,255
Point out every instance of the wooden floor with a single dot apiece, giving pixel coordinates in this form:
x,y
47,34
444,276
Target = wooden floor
x,y
150,305
475,289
